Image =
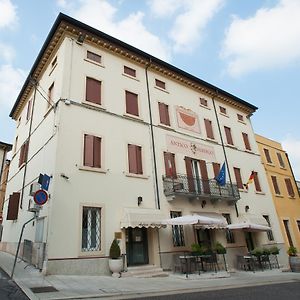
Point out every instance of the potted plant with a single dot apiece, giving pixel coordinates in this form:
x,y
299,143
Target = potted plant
x,y
115,261
257,252
294,260
274,250
219,248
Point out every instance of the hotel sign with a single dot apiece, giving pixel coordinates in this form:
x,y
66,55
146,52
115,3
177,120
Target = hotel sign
x,y
190,149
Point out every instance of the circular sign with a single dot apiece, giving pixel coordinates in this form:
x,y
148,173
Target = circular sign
x,y
40,197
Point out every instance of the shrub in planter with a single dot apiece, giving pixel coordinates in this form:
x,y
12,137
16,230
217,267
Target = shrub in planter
x,y
115,262
274,250
114,251
257,252
219,248
292,251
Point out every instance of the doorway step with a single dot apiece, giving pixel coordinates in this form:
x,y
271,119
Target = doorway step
x,y
145,271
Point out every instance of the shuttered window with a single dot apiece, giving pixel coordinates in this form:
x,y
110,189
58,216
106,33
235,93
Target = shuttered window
x,y
132,103
229,234
23,153
135,159
256,182
50,94
13,207
170,166
287,231
246,141
238,178
281,162
240,117
28,114
223,110
93,90
92,151
129,71
203,102
267,155
164,114
275,185
228,135
177,231
204,176
269,232
209,129
160,84
94,57
216,168
289,187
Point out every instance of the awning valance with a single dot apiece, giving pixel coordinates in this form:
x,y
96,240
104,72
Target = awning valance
x,y
250,222
142,217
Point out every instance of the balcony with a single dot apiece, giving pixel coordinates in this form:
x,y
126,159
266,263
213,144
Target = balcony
x,y
192,187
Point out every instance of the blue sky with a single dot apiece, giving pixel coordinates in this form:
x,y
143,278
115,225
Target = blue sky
x,y
248,48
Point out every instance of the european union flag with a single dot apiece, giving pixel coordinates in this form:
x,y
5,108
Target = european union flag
x,y
221,178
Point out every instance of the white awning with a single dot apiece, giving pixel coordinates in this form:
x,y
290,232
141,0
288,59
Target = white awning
x,y
203,220
142,217
250,222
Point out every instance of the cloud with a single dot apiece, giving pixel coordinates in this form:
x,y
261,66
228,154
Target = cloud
x,y
11,81
131,29
6,52
8,15
269,39
164,8
292,146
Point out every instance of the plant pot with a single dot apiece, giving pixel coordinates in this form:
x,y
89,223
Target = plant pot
x,y
115,266
294,263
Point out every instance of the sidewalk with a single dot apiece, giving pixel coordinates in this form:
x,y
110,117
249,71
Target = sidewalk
x,y
106,287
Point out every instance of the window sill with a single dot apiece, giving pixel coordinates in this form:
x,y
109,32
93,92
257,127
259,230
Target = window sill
x,y
243,122
131,77
167,127
222,114
95,105
132,117
249,151
270,164
279,196
92,169
136,175
283,168
204,106
94,63
87,254
161,89
231,146
292,197
243,190
259,193
211,140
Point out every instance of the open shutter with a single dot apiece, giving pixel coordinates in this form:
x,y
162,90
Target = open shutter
x,y
97,152
189,173
209,130
88,150
139,159
132,159
216,167
256,182
246,141
204,176
289,187
237,173
228,135
170,167
13,206
275,185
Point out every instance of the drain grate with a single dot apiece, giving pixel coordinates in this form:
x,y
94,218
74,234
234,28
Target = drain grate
x,y
44,289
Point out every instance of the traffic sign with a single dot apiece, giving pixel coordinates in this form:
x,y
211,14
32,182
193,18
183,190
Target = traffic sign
x,y
40,197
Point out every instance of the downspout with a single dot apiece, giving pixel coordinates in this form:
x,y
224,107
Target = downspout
x,y
224,151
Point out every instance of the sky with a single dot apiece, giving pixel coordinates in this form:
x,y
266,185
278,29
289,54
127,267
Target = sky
x,y
250,49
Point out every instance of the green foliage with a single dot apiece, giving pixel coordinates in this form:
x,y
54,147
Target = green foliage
x,y
292,251
114,251
257,252
274,250
266,251
219,248
200,250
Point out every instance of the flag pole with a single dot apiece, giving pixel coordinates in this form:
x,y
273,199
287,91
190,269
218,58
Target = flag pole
x,y
224,151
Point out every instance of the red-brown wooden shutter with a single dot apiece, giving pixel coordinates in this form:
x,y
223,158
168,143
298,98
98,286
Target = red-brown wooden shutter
x,y
209,130
21,157
228,135
256,182
132,103
97,152
246,141
130,71
28,110
132,159
88,150
204,176
189,173
93,90
216,168
13,207
164,113
160,83
93,56
138,150
275,185
267,155
169,159
289,187
237,173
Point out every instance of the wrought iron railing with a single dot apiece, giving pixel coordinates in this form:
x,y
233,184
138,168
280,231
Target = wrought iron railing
x,y
196,187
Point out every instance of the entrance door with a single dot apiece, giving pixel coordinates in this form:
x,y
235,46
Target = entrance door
x,y
249,241
137,246
204,237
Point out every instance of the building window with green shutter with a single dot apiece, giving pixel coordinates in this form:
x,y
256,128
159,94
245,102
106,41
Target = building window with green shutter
x,y
177,231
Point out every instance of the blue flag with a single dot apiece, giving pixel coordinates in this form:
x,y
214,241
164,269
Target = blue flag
x,y
221,178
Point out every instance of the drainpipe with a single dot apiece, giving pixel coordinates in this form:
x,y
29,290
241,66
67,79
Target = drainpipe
x,y
224,151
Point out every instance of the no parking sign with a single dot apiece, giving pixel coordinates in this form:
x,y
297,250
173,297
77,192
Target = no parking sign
x,y
40,197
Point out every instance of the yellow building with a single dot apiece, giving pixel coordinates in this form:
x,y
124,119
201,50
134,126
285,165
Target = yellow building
x,y
284,189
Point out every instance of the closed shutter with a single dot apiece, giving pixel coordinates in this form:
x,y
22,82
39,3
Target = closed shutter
x,y
93,90
246,141
281,162
275,185
209,130
135,159
170,167
256,182
129,71
28,110
164,113
228,135
139,159
267,155
204,176
88,150
23,153
289,187
237,173
189,174
97,152
160,84
216,167
13,206
132,103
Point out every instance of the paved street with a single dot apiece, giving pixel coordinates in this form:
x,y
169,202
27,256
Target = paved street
x,y
9,290
290,291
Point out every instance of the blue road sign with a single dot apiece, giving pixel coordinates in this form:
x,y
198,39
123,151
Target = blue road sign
x,y
40,197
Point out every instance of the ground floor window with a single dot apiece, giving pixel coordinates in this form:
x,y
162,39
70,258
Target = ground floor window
x,y
91,229
269,232
177,231
229,234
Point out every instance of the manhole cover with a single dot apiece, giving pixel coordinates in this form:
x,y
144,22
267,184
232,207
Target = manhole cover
x,y
44,289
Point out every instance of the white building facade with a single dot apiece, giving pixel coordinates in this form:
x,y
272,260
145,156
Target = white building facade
x,y
128,140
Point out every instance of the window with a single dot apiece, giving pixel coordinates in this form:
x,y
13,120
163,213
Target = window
x,y
92,151
94,57
280,160
216,168
239,182
91,229
13,207
170,167
240,117
177,231
228,135
287,231
229,234
129,71
289,187
16,144
164,114
132,103
298,224
23,153
267,155
203,102
54,61
269,232
50,94
93,91
256,182
209,129
246,141
223,110
275,185
160,84
135,159
28,114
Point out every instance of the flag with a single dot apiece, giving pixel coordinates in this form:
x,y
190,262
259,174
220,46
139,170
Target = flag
x,y
250,180
221,178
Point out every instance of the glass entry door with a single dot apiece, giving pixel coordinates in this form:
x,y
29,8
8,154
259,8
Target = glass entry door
x,y
137,246
249,241
204,237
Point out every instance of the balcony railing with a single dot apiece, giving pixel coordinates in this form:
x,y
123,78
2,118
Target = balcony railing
x,y
192,187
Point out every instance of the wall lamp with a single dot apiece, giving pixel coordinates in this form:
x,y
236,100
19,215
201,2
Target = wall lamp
x,y
80,39
140,200
203,203
247,208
